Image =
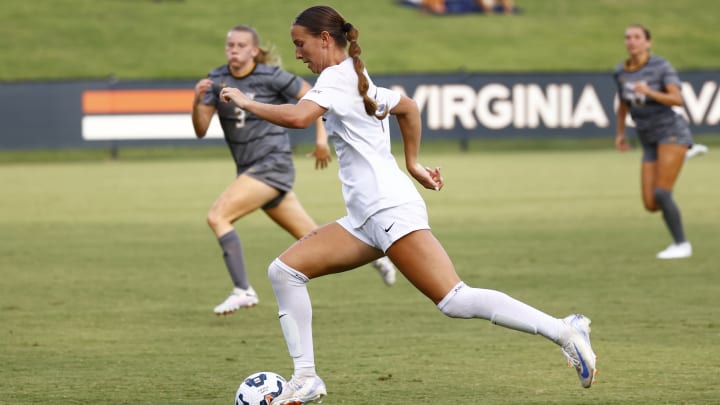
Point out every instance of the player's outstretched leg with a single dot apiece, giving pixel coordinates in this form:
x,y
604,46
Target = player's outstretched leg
x,y
571,333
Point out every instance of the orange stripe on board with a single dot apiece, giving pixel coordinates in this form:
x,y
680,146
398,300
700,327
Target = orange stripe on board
x,y
137,101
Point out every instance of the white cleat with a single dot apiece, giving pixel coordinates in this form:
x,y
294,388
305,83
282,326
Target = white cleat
x,y
577,349
387,270
238,298
676,251
695,150
299,391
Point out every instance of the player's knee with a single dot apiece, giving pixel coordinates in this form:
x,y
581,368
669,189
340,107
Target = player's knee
x,y
215,220
276,273
458,303
453,312
212,219
280,273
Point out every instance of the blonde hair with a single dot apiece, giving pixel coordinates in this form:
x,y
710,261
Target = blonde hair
x,y
268,54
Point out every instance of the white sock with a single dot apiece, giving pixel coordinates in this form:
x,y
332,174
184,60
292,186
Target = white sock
x,y
295,314
501,309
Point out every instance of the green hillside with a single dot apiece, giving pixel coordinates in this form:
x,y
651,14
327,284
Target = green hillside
x,y
184,38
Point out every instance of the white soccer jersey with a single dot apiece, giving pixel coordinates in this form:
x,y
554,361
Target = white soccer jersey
x,y
371,178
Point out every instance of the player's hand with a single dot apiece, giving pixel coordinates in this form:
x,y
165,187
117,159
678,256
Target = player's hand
x,y
429,178
231,94
641,87
621,143
322,155
201,88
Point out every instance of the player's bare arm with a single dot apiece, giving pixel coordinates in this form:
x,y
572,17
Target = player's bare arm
x,y
408,117
300,115
202,113
321,152
620,140
671,96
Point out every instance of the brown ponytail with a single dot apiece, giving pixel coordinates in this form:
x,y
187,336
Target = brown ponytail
x,y
323,18
354,51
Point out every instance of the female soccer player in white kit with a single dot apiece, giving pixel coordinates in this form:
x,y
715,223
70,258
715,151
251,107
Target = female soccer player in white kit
x,y
262,155
385,212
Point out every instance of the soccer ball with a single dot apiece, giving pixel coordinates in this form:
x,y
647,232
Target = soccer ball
x,y
259,388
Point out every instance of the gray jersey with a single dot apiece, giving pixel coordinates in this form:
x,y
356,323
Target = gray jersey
x,y
652,119
250,138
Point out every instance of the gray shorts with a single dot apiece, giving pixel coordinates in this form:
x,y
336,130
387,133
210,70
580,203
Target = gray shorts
x,y
276,170
386,226
678,134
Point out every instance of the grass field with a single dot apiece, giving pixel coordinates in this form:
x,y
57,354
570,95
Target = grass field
x,y
109,273
109,276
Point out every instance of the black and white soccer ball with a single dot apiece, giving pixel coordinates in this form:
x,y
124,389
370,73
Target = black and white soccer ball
x,y
259,388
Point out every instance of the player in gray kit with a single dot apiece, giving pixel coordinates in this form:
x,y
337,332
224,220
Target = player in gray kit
x,y
262,154
648,87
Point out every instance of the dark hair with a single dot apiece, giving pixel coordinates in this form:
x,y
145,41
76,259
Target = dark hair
x,y
644,29
267,55
319,19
